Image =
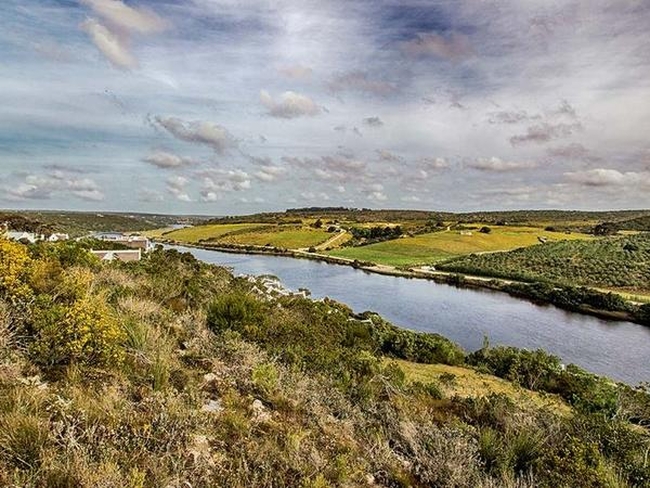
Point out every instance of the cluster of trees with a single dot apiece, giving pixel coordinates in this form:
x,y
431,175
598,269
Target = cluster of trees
x,y
377,233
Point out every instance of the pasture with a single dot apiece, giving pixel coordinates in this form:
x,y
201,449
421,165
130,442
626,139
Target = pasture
x,y
439,246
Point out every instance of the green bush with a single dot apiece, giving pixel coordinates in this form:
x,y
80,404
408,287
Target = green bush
x,y
235,311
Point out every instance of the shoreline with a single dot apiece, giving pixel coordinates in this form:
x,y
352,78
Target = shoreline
x,y
458,280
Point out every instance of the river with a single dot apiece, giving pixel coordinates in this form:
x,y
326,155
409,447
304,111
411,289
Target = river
x,y
620,350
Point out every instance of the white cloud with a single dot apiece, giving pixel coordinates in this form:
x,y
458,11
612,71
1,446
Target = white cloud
x,y
45,186
112,36
167,160
176,185
126,18
111,45
200,132
499,165
290,105
609,177
435,163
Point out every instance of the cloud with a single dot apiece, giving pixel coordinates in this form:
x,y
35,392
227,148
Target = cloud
x,y
176,185
125,18
454,46
435,163
290,105
44,186
385,155
167,160
215,182
296,72
567,110
410,199
338,168
150,196
603,177
268,171
511,117
111,45
373,121
374,192
359,81
572,152
495,164
545,132
112,36
200,132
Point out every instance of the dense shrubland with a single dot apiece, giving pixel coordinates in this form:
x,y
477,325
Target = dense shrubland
x,y
171,372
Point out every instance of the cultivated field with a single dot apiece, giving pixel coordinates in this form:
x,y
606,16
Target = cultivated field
x,y
438,246
620,263
210,232
291,238
252,234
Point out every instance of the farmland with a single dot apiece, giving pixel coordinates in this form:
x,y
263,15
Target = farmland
x,y
620,263
209,232
251,234
439,246
291,238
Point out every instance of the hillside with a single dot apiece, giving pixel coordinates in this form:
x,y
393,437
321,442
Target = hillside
x,y
620,263
81,223
172,372
439,246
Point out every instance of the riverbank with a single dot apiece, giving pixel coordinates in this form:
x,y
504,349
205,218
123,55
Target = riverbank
x,y
513,288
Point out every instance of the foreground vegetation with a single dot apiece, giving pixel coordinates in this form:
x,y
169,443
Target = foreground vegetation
x,y
171,372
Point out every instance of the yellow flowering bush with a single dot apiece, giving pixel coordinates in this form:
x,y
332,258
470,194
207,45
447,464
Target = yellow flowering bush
x,y
14,261
85,332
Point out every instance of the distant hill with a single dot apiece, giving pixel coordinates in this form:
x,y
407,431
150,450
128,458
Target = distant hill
x,y
81,223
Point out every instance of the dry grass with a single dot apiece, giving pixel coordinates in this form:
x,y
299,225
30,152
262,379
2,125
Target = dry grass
x,y
465,382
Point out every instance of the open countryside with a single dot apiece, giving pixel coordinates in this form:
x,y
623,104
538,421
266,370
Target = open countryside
x,y
325,244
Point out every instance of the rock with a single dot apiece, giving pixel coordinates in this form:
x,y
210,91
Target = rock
x,y
260,412
210,377
213,406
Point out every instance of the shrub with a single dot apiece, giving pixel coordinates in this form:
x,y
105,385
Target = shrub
x,y
14,262
85,332
234,311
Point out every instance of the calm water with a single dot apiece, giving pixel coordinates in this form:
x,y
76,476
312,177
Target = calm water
x,y
620,350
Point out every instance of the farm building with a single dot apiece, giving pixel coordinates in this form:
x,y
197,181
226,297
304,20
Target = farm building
x,y
123,255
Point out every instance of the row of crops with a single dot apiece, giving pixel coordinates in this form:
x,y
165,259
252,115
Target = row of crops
x,y
613,262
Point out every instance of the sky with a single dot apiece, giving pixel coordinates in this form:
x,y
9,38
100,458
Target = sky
x,y
229,107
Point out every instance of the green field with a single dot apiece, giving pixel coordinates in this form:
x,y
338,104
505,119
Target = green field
x,y
209,232
620,263
291,238
438,246
252,234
